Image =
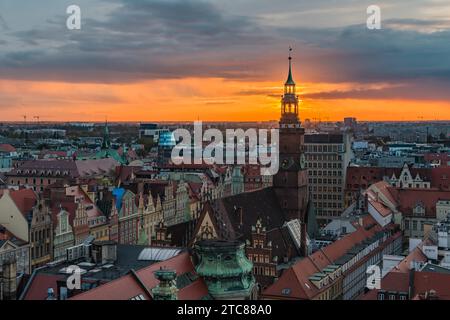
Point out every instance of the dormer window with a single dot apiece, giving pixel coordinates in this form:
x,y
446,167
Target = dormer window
x,y
419,209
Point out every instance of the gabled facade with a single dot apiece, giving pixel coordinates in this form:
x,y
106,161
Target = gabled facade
x,y
21,252
63,237
259,250
41,236
128,219
12,216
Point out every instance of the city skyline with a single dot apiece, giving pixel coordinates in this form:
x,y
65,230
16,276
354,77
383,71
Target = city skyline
x,y
207,60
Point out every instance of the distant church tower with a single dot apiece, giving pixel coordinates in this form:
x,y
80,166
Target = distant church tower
x,y
106,144
290,183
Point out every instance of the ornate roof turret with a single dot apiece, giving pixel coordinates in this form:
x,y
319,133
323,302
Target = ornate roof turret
x,y
225,268
166,289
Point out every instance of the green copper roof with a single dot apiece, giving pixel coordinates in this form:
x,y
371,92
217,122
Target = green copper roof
x,y
110,153
143,238
225,268
290,79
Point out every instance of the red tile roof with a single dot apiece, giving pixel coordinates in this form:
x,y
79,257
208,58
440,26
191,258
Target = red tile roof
x,y
363,177
381,208
414,256
407,200
296,278
25,200
40,284
393,281
7,148
128,287
427,281
442,158
386,190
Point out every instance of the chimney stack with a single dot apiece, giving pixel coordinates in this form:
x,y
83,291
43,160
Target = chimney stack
x,y
366,202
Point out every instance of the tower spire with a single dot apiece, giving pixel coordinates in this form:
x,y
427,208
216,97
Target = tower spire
x,y
290,80
289,101
106,143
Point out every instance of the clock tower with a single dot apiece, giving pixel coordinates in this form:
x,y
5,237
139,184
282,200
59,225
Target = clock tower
x,y
290,183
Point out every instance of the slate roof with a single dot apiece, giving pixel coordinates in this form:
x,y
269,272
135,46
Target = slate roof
x,y
261,203
142,281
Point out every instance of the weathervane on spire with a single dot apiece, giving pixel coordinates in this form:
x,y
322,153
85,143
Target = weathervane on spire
x,y
290,80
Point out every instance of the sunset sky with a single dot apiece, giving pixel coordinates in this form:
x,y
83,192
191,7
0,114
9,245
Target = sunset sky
x,y
170,60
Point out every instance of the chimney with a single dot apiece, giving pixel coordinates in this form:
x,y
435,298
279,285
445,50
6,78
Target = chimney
x,y
50,294
9,279
366,202
361,221
411,283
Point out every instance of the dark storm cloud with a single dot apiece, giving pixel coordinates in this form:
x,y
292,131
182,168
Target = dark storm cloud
x,y
3,24
418,90
139,40
145,39
357,54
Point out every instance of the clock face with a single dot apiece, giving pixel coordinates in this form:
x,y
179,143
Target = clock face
x,y
286,163
302,161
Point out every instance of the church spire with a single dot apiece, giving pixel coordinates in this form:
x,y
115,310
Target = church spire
x,y
290,80
289,101
106,143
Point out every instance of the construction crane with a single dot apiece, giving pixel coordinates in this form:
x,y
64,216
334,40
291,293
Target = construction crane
x,y
24,119
37,119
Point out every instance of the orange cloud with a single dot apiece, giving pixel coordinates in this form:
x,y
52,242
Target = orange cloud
x,y
187,99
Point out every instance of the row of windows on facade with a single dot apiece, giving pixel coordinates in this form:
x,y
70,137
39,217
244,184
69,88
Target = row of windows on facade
x,y
327,197
324,180
323,176
128,238
42,172
328,213
35,181
414,225
325,165
38,235
259,258
392,296
264,271
332,292
324,148
39,251
323,157
314,188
